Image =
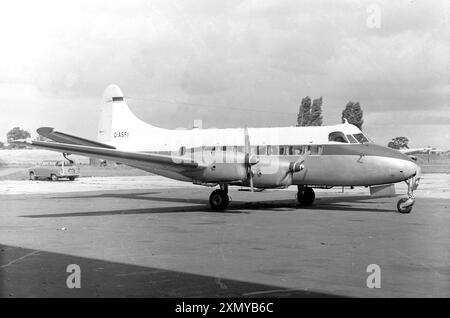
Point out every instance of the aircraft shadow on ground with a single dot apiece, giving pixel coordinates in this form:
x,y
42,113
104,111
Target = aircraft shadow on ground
x,y
236,207
33,273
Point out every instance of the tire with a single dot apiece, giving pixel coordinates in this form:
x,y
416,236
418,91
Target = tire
x,y
71,178
218,200
306,196
32,176
403,210
53,177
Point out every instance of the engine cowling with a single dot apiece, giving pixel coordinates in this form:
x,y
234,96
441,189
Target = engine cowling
x,y
270,173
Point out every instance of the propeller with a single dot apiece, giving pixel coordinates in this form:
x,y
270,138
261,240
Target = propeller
x,y
250,159
297,166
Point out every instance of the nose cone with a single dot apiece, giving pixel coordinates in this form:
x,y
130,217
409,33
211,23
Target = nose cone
x,y
410,169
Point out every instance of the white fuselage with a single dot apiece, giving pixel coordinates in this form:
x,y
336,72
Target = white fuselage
x,y
337,156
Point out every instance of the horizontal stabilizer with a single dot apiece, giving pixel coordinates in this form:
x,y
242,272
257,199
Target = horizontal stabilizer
x,y
57,136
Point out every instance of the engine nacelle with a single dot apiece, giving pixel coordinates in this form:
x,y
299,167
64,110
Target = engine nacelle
x,y
221,173
274,173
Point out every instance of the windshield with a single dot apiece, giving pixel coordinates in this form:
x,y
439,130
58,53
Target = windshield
x,y
361,138
351,139
337,136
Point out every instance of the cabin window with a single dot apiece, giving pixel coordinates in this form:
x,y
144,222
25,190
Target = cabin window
x,y
182,150
261,150
297,150
337,136
276,150
224,148
235,151
282,150
361,138
351,139
315,150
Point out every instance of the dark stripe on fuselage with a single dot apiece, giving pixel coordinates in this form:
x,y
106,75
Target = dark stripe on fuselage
x,y
368,149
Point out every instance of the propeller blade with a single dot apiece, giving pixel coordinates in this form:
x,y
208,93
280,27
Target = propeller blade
x,y
297,166
248,165
247,141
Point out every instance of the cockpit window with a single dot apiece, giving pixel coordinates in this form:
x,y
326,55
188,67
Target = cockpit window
x,y
337,136
351,139
361,138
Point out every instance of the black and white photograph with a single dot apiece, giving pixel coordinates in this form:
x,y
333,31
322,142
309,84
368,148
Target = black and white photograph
x,y
224,154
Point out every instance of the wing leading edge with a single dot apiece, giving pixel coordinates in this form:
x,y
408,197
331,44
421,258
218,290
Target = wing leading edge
x,y
145,161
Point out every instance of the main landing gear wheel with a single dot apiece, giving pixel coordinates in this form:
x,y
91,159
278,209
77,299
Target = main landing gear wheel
x,y
219,200
305,196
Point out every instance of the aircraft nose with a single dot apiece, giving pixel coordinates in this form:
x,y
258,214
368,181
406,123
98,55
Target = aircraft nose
x,y
410,169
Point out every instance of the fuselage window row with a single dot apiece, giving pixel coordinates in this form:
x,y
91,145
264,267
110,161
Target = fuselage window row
x,y
261,150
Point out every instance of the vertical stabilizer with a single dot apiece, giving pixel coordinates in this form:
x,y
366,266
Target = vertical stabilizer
x,y
118,126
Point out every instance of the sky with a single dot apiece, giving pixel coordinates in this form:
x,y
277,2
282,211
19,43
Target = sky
x,y
229,63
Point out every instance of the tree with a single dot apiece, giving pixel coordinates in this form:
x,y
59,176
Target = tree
x,y
310,115
2,145
354,114
316,112
15,134
398,143
304,112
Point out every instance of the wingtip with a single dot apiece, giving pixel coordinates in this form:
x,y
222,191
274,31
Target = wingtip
x,y
43,131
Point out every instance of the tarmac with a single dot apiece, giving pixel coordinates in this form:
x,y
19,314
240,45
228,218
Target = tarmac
x,y
154,237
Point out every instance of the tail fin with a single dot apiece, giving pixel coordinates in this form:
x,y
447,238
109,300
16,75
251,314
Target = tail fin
x,y
118,125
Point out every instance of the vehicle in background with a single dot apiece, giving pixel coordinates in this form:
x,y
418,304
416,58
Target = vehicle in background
x,y
54,170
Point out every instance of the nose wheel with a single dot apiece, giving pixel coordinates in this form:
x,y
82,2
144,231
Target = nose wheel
x,y
219,200
405,205
305,195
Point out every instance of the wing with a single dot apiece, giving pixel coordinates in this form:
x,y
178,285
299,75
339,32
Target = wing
x,y
411,151
145,161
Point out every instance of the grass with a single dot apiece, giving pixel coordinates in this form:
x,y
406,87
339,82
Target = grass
x,y
435,163
21,173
